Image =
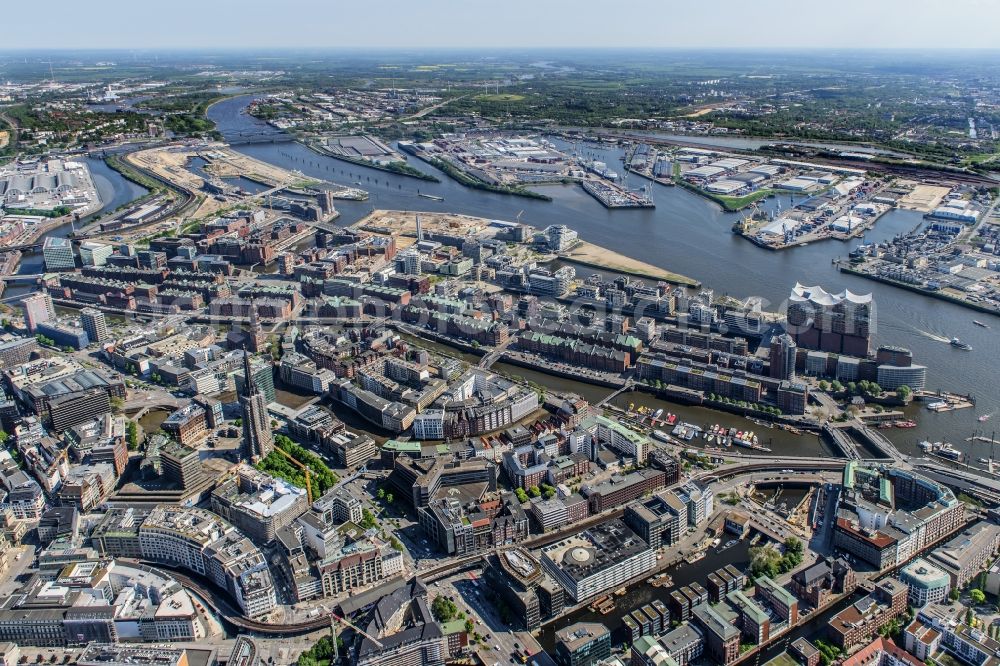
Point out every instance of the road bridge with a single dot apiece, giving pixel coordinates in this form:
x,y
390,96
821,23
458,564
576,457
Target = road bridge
x,y
879,442
494,355
244,138
843,441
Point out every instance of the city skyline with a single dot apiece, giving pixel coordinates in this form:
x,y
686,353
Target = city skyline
x,y
437,24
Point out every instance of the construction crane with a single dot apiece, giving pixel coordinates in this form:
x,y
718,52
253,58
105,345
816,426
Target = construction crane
x,y
334,619
301,466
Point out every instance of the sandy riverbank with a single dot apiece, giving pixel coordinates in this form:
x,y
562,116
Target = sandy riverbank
x,y
404,223
595,256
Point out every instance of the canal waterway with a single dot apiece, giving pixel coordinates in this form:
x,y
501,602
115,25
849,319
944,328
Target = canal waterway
x,y
690,235
114,190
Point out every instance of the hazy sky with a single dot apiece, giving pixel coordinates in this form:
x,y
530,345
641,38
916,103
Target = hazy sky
x,y
500,23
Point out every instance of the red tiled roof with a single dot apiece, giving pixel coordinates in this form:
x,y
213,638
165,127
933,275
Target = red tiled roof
x,y
880,645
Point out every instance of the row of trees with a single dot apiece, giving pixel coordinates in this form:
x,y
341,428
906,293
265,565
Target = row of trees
x,y
864,388
534,491
756,406
322,477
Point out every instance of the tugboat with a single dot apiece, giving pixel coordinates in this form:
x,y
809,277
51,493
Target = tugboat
x,y
958,344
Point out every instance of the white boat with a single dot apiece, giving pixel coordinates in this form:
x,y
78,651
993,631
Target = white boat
x,y
937,404
662,436
948,451
958,344
657,414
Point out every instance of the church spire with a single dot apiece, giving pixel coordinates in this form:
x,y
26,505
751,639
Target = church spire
x,y
249,388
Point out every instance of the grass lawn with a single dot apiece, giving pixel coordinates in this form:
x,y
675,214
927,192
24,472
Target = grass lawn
x,y
735,203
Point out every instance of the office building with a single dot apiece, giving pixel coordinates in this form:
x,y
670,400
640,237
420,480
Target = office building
x,y
257,503
93,253
104,654
598,559
583,644
622,489
181,466
965,555
400,631
62,335
782,603
657,519
475,526
17,351
38,308
891,377
886,514
94,323
529,593
699,500
200,541
187,425
58,254
927,583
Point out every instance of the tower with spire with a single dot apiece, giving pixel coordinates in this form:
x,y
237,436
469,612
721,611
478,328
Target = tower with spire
x,y
257,438
257,337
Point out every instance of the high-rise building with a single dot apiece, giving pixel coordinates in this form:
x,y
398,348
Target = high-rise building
x,y
257,439
181,465
93,322
408,262
839,323
325,202
38,309
58,254
559,237
782,357
95,254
